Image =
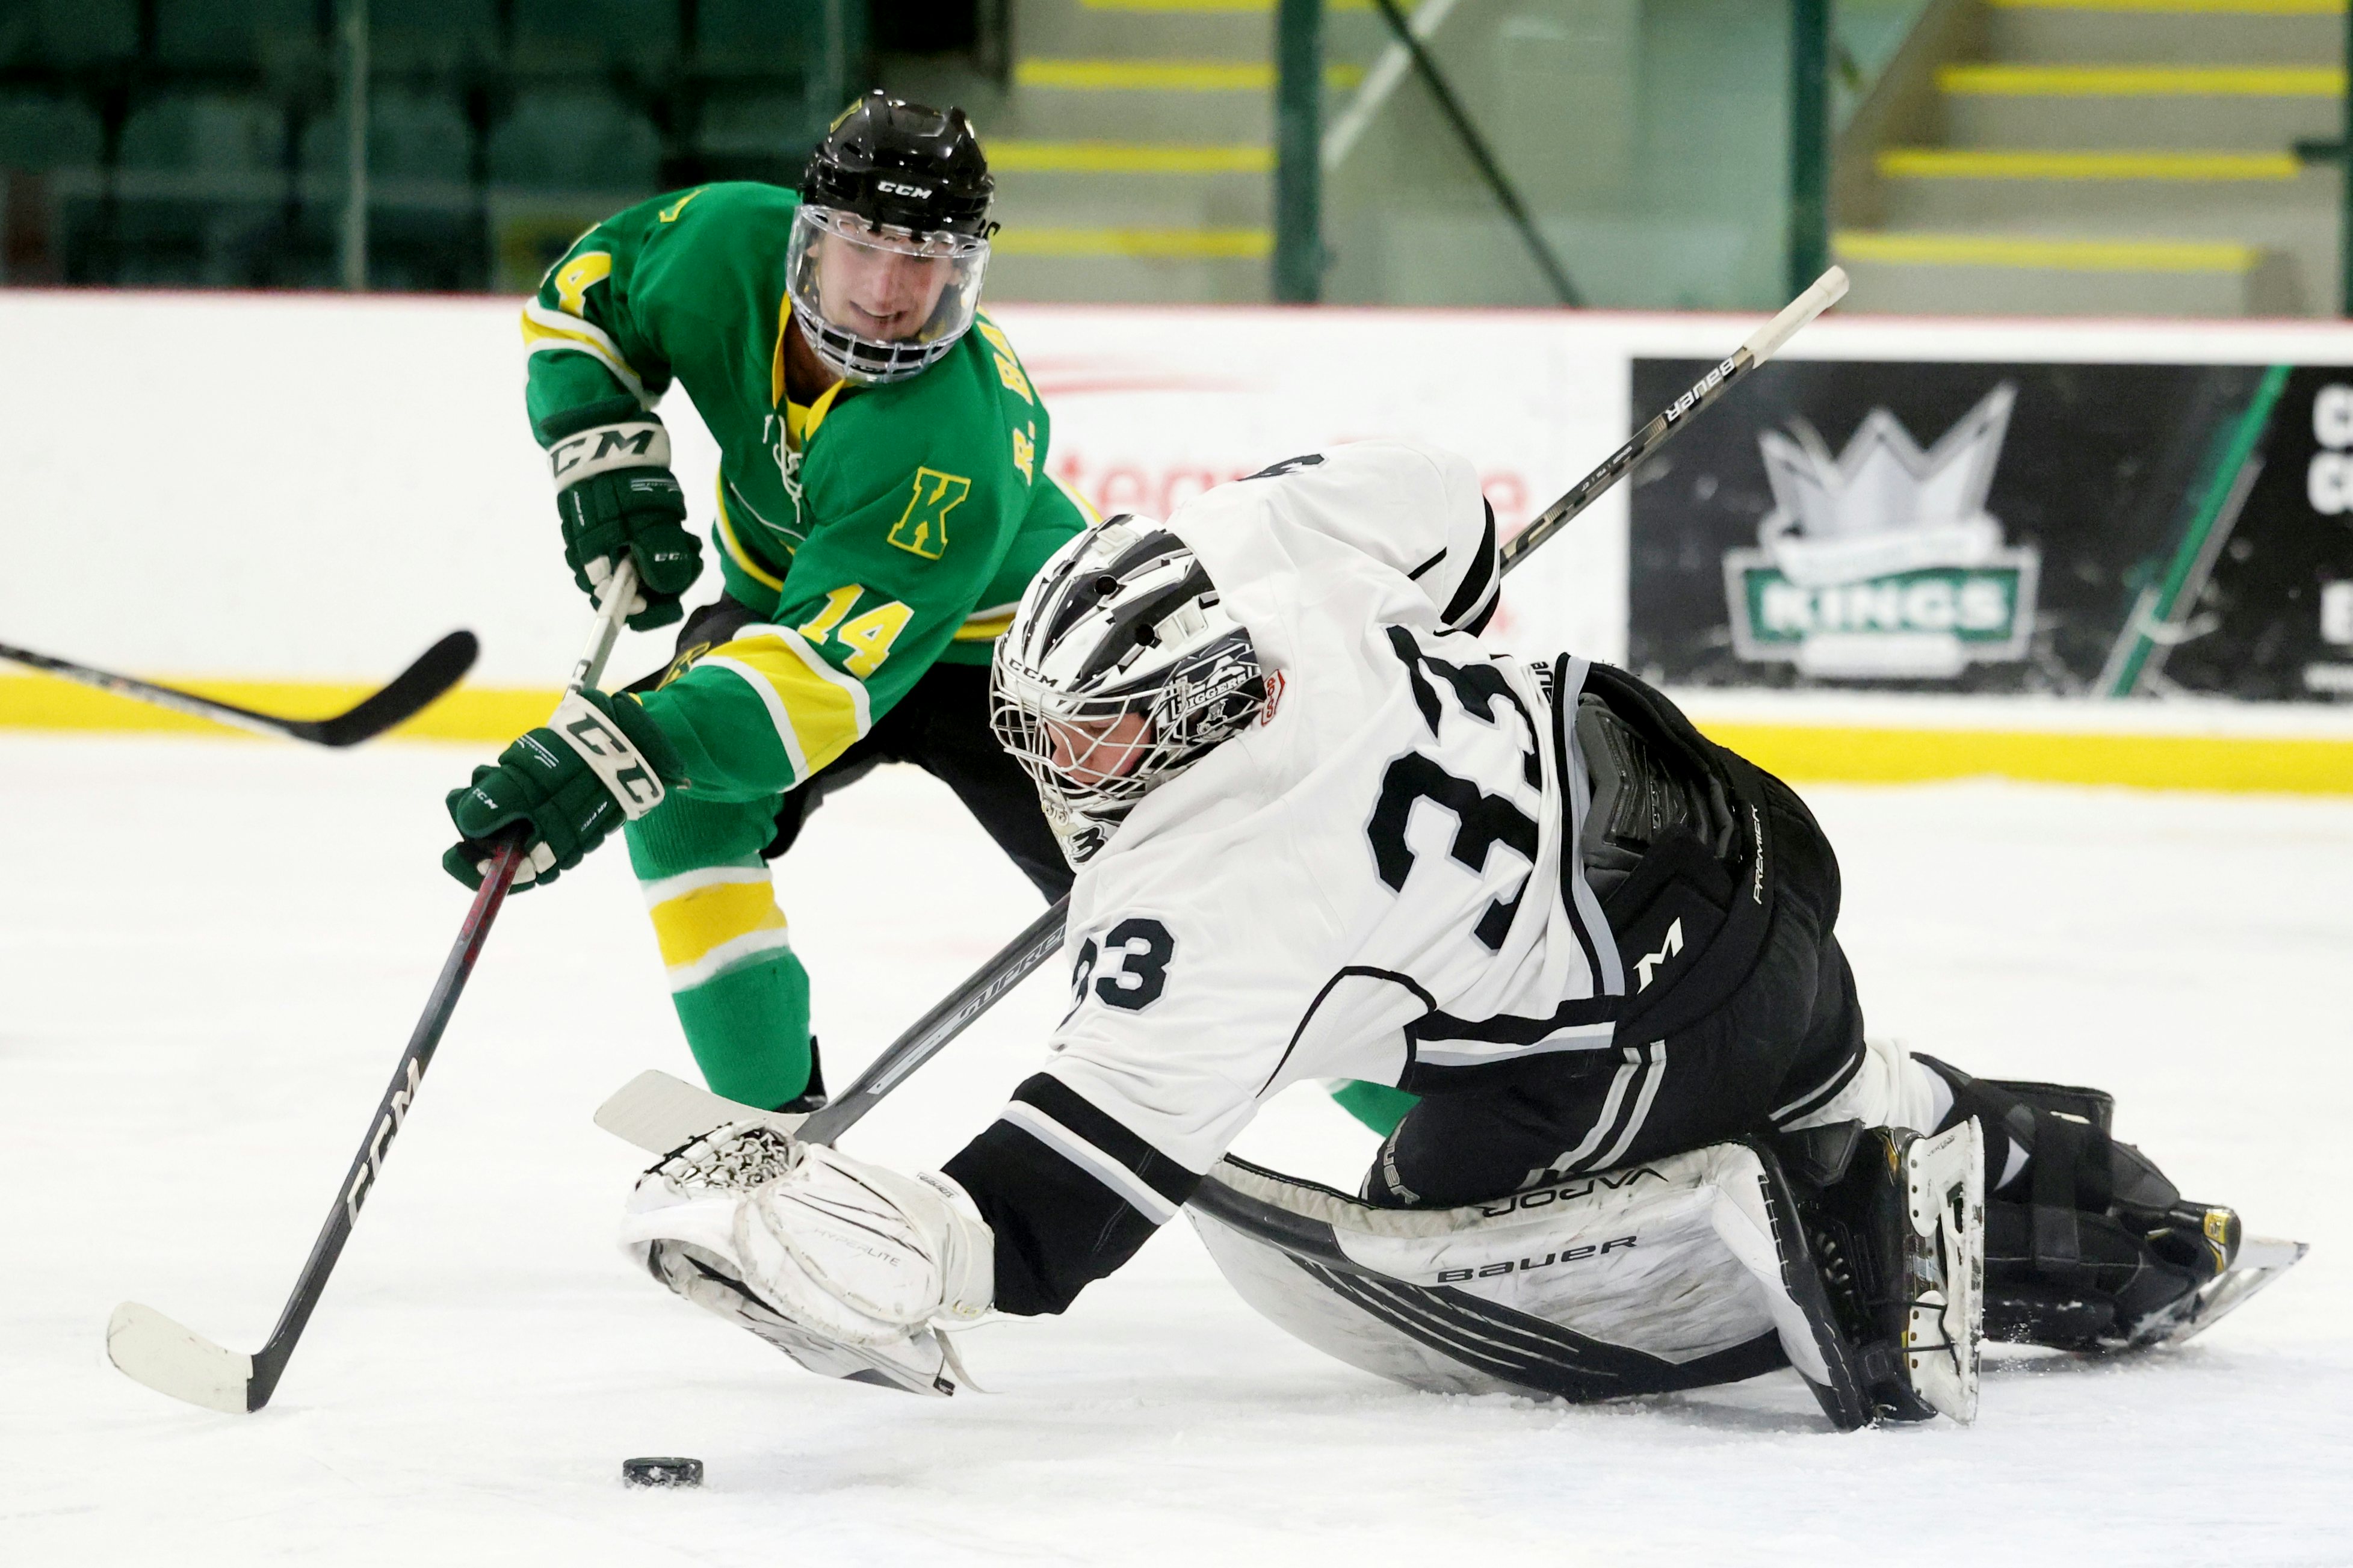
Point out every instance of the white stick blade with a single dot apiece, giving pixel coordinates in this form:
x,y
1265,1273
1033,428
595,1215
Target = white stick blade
x,y
169,1359
657,1112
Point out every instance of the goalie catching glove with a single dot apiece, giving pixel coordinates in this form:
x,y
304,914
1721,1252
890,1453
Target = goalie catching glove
x,y
860,1263
598,762
618,496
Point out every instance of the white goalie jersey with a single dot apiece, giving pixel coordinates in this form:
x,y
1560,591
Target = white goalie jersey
x,y
1377,880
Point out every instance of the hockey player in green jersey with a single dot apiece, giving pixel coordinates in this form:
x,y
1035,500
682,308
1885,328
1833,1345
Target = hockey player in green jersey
x,y
883,501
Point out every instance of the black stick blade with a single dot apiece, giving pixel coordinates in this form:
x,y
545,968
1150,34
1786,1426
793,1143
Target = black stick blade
x,y
437,669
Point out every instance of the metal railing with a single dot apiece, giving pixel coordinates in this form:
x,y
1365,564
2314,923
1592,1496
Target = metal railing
x,y
1299,253
1301,256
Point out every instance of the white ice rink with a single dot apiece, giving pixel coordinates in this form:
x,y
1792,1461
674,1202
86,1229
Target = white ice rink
x,y
211,952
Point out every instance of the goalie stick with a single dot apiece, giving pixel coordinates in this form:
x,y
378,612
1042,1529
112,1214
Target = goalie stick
x,y
437,670
648,1109
178,1361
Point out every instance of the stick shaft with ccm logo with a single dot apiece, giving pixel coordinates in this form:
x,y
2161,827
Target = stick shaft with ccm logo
x,y
179,1361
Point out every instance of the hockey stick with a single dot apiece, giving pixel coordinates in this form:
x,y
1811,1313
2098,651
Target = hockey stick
x,y
185,1365
637,1111
1763,345
437,669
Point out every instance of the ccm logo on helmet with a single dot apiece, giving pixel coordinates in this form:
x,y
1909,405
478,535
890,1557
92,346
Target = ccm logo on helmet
x,y
893,188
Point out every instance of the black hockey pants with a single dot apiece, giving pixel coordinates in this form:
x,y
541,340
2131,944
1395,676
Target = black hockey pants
x,y
1786,1037
941,726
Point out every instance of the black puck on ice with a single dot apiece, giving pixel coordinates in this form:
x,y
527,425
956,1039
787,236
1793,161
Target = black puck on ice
x,y
662,1472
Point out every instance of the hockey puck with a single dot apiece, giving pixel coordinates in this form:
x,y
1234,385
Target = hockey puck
x,y
662,1472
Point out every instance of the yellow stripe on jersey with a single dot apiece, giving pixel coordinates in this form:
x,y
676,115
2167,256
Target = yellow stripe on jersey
x,y
818,712
986,626
821,407
695,924
552,331
736,551
800,423
776,358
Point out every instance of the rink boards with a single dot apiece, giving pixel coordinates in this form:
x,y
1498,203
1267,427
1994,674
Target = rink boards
x,y
283,498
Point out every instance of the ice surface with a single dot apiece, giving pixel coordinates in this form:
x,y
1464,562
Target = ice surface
x,y
210,953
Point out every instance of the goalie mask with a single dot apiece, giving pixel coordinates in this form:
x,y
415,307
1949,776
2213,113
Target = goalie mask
x,y
1120,668
888,248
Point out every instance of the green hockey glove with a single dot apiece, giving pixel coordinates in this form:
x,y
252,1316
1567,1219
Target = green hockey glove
x,y
615,494
600,760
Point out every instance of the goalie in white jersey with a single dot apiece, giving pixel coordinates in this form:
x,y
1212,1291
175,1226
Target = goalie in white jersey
x,y
1322,833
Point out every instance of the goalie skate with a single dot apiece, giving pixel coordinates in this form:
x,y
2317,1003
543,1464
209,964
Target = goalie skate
x,y
1899,1229
2257,1261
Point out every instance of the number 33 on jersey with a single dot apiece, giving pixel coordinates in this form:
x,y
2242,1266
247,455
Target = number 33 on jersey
x,y
1127,968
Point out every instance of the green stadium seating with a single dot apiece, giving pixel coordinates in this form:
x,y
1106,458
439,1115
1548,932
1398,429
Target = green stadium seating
x,y
412,135
758,122
46,131
595,35
202,190
562,140
775,39
205,132
68,33
228,163
200,34
406,35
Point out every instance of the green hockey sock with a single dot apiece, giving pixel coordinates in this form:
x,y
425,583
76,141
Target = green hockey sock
x,y
742,997
749,1030
1376,1105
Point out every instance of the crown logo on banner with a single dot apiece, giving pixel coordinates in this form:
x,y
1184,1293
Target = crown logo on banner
x,y
1882,561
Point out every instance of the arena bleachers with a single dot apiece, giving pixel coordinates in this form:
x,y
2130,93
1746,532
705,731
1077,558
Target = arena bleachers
x,y
203,143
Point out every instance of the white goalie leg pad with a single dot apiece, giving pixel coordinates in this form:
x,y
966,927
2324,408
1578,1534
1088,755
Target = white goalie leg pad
x,y
851,1251
1644,1280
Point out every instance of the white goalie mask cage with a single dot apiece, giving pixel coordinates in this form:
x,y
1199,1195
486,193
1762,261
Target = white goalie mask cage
x,y
1120,668
836,261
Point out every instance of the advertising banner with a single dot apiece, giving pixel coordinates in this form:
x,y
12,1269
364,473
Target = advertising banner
x,y
1152,407
2060,505
2073,529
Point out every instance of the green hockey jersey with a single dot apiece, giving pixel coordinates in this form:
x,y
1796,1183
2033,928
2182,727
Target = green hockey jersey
x,y
881,529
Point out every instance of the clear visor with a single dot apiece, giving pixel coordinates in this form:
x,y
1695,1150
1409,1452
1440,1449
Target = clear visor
x,y
883,287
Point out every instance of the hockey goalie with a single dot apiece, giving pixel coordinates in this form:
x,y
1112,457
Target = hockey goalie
x,y
1322,833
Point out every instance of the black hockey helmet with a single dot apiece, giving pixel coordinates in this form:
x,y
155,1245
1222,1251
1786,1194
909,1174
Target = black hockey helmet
x,y
901,163
889,246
